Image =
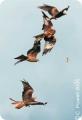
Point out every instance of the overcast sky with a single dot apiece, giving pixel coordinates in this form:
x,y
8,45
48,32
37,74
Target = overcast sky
x,y
51,78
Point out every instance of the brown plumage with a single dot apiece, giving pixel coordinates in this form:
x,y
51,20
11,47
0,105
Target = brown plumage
x,y
53,11
49,44
48,27
47,35
27,98
50,9
39,37
47,22
61,13
31,54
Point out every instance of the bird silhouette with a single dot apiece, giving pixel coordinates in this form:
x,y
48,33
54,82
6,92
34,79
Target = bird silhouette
x,y
31,54
53,11
27,98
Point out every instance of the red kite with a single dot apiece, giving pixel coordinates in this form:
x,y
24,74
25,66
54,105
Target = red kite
x,y
31,54
27,98
53,11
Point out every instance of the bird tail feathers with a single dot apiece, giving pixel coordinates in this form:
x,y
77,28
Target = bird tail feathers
x,y
21,58
17,104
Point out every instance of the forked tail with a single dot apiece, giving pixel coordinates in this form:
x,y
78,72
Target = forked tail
x,y
20,58
17,104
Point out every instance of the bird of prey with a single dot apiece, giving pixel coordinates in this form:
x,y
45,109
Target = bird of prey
x,y
27,98
53,11
47,35
49,44
31,54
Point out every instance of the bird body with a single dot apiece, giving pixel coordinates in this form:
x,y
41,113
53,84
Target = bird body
x,y
49,33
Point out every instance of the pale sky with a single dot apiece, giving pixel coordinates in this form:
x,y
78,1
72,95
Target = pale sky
x,y
51,78
1,1
80,1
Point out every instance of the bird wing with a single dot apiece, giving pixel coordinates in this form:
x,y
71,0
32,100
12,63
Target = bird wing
x,y
27,90
32,53
49,45
66,8
46,7
39,37
52,10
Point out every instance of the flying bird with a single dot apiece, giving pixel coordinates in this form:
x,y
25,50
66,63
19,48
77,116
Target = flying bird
x,y
53,11
49,45
47,27
31,54
27,98
47,35
50,9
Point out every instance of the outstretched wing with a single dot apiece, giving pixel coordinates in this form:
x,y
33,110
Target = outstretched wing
x,y
27,90
66,8
46,7
32,53
49,45
50,9
39,37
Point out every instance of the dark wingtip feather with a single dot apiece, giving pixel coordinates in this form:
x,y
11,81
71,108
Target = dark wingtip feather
x,y
45,103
